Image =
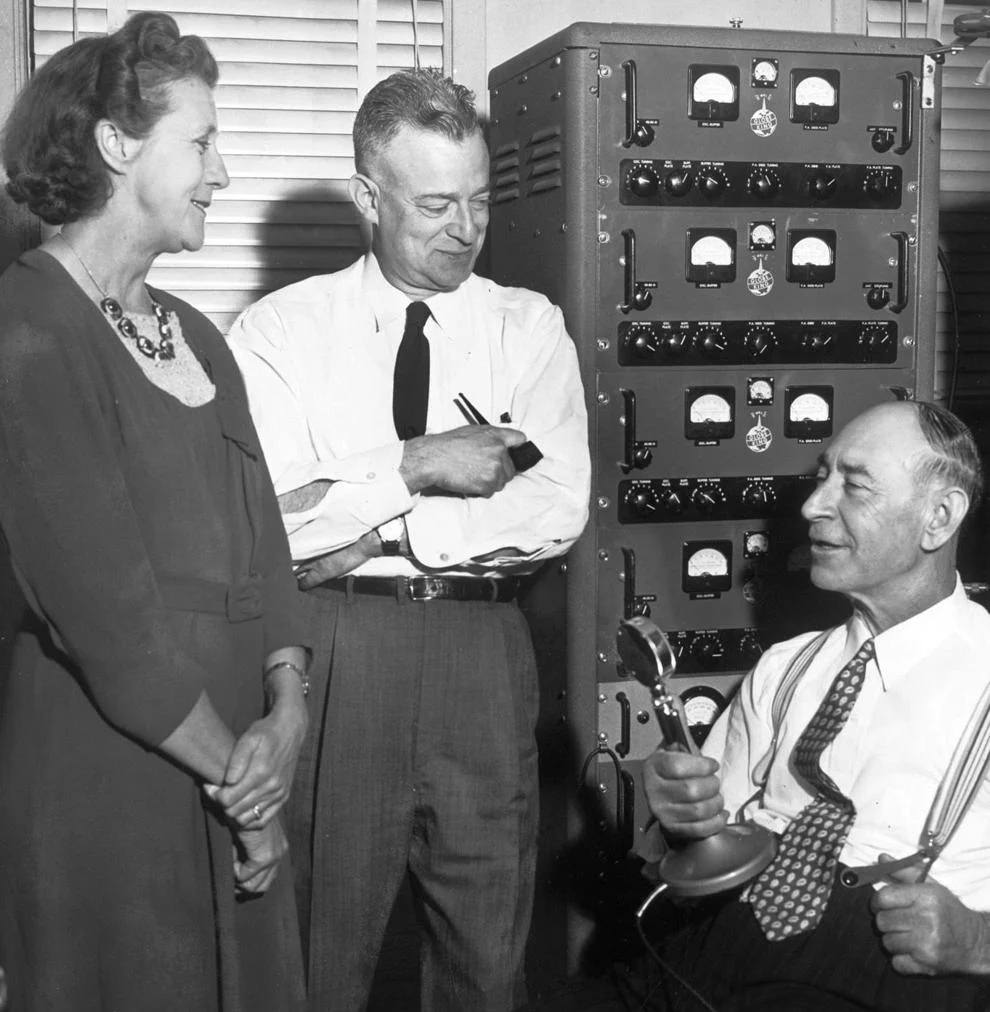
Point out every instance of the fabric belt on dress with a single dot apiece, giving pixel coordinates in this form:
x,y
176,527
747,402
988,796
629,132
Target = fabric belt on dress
x,y
240,600
430,588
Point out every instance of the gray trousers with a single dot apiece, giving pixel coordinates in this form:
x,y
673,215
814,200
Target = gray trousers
x,y
421,758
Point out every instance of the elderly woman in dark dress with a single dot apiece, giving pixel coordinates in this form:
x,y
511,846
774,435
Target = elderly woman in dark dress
x,y
155,706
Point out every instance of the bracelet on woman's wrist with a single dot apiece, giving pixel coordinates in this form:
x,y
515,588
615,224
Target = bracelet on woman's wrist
x,y
303,676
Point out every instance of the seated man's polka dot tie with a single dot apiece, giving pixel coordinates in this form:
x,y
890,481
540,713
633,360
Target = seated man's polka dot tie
x,y
790,895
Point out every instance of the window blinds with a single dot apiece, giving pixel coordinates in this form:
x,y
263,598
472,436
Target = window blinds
x,y
964,199
291,78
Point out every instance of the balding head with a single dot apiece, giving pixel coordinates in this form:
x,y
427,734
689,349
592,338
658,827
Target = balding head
x,y
893,489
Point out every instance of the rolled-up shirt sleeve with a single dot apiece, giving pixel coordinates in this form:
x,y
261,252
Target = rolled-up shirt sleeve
x,y
366,488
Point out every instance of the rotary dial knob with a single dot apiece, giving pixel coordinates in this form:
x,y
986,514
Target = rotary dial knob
x,y
763,183
643,181
706,649
759,343
707,498
642,500
711,343
822,186
712,183
758,495
678,182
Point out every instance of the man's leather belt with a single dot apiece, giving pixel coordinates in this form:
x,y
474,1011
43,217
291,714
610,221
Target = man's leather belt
x,y
430,588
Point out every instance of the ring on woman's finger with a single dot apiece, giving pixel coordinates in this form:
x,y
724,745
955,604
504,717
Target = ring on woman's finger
x,y
257,813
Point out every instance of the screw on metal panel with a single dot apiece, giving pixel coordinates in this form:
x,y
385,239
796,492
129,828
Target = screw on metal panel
x,y
602,657
563,226
603,237
908,341
555,97
896,104
604,70
537,232
604,181
524,78
555,62
495,93
603,502
602,697
736,22
602,555
602,344
602,789
522,110
892,261
602,736
911,187
912,240
592,54
593,89
562,568
603,398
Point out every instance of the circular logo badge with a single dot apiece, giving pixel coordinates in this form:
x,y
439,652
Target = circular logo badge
x,y
759,438
760,282
763,122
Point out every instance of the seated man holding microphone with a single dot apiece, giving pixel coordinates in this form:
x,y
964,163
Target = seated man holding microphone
x,y
847,770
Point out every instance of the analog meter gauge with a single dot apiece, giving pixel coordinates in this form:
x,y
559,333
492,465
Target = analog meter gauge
x,y
765,72
702,706
711,255
762,235
756,544
709,413
706,567
759,390
808,412
814,96
811,256
713,92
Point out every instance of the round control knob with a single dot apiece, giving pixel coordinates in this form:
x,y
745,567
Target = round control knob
x,y
678,182
763,184
877,297
876,186
822,186
873,343
672,504
815,343
711,343
706,650
882,140
642,500
758,496
707,498
642,343
712,183
675,344
642,298
750,648
643,181
759,343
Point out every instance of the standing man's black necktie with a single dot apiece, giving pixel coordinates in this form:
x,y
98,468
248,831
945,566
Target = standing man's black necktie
x,y
411,382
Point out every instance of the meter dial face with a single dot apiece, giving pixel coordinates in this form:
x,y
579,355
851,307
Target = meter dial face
x,y
809,408
710,408
756,543
815,91
811,252
713,87
760,391
701,709
710,249
764,72
707,562
762,235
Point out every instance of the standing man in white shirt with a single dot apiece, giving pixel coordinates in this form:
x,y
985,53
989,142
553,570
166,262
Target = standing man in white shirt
x,y
912,663
410,535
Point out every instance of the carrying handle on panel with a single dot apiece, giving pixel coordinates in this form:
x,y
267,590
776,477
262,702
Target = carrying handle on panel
x,y
903,253
907,112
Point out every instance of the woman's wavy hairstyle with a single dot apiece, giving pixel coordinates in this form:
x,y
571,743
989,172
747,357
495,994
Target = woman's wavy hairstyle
x,y
49,147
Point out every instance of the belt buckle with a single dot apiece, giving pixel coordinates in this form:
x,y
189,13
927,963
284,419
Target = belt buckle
x,y
424,588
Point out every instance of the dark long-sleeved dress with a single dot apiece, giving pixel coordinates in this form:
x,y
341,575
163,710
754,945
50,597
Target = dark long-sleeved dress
x,y
147,539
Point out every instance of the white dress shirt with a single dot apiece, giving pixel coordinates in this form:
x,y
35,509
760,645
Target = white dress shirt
x,y
318,359
891,756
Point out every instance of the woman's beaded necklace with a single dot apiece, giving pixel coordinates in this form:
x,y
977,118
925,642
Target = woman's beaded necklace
x,y
161,351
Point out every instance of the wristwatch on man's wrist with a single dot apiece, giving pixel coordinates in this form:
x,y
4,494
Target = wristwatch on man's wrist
x,y
391,534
